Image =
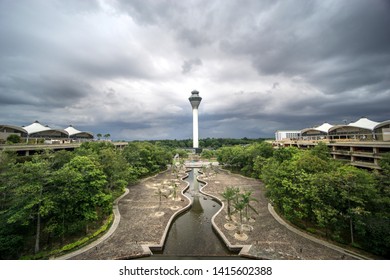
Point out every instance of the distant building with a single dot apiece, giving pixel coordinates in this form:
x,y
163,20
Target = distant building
x,y
287,135
7,130
38,131
382,131
362,129
362,143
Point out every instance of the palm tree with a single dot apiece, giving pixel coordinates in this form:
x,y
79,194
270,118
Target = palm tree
x,y
99,135
203,169
240,205
246,198
160,194
174,194
230,195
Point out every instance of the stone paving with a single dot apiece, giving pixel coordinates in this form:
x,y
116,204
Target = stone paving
x,y
144,223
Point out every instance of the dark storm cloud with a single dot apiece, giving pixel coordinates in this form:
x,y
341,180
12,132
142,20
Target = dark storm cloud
x,y
45,91
31,61
263,64
148,12
338,47
188,65
114,128
112,65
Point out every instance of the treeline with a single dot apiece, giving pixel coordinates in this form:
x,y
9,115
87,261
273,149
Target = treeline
x,y
52,199
324,196
209,143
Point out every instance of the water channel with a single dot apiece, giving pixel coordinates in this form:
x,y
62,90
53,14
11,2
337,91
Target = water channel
x,y
191,234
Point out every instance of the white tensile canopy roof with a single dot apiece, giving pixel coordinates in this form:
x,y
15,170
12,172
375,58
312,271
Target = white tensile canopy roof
x,y
73,131
364,123
322,128
36,127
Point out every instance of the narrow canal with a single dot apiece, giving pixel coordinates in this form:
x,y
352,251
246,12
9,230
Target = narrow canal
x,y
191,234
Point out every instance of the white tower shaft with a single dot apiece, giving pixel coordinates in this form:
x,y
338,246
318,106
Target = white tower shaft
x,y
195,100
195,131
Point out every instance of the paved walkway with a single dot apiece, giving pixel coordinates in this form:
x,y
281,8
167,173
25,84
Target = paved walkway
x,y
144,223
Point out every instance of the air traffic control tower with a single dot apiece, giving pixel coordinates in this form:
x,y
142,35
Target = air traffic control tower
x,y
195,100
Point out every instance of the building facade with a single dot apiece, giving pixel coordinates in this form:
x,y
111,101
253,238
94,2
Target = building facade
x,y
281,135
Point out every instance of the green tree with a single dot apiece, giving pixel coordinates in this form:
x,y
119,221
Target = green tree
x,y
242,158
229,195
11,235
59,159
175,188
378,224
258,165
147,158
30,199
160,192
118,171
60,195
282,154
7,161
115,168
321,150
326,202
247,198
93,148
384,174
239,206
357,189
208,154
310,163
14,138
82,184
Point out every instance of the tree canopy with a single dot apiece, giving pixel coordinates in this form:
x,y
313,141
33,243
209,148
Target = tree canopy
x,y
315,192
51,198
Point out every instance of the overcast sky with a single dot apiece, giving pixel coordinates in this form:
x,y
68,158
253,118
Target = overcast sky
x,y
128,67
